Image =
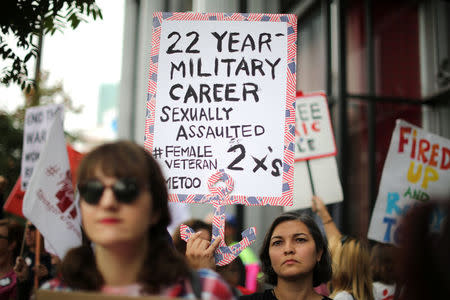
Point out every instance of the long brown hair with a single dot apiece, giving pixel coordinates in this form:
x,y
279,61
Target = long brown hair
x,y
162,265
322,271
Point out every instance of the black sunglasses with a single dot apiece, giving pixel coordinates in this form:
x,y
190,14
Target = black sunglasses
x,y
125,190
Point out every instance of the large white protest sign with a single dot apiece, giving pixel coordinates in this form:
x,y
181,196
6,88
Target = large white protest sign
x,y
221,96
220,108
49,201
37,122
416,170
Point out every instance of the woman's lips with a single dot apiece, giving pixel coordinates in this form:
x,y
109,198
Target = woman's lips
x,y
109,221
290,261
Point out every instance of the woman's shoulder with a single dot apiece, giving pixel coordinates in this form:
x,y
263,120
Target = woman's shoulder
x,y
266,295
55,284
382,290
343,295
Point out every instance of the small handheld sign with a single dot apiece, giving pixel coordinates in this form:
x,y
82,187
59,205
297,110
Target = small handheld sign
x,y
314,136
38,120
221,97
315,165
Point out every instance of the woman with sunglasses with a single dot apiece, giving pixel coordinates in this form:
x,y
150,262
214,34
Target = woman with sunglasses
x,y
294,258
126,251
351,278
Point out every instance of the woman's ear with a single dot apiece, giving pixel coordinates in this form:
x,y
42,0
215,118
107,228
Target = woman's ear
x,y
319,255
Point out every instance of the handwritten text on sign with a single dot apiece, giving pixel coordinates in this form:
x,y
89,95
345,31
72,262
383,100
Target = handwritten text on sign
x,y
416,170
314,136
37,122
221,104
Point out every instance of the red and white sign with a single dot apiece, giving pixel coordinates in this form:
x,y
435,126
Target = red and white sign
x,y
49,201
314,136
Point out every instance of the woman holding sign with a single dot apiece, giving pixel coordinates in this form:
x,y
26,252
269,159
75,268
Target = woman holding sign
x,y
294,259
124,208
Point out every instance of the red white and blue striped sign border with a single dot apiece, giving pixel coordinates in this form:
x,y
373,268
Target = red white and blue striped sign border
x,y
288,170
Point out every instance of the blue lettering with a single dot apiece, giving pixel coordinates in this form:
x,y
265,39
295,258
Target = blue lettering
x,y
390,222
392,205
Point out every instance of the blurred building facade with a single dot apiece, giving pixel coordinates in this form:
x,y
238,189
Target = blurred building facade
x,y
376,60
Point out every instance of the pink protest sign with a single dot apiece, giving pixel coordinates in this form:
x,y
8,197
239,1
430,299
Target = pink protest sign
x,y
221,96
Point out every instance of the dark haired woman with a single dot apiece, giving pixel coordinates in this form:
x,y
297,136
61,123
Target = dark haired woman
x,y
382,267
125,213
294,259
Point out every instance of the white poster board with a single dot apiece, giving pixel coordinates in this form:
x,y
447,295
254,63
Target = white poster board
x,y
416,170
221,96
314,137
37,122
315,150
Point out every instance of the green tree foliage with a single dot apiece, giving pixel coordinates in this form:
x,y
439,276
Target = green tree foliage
x,y
10,149
11,125
25,20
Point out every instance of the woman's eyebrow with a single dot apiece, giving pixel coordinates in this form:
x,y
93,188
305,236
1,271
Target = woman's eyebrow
x,y
300,233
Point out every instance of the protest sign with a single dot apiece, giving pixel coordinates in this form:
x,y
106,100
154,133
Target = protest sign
x,y
314,136
323,174
220,97
57,295
220,107
315,168
416,170
14,201
37,122
49,200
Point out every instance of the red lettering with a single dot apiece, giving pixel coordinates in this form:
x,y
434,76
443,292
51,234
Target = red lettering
x,y
315,126
403,141
424,146
434,154
445,161
305,129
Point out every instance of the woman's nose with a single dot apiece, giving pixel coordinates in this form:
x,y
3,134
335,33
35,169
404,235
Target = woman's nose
x,y
288,248
108,199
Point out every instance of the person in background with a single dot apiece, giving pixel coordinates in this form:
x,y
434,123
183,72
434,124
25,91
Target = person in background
x,y
382,267
124,209
195,224
247,256
25,267
423,267
294,258
200,255
10,241
350,257
351,270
